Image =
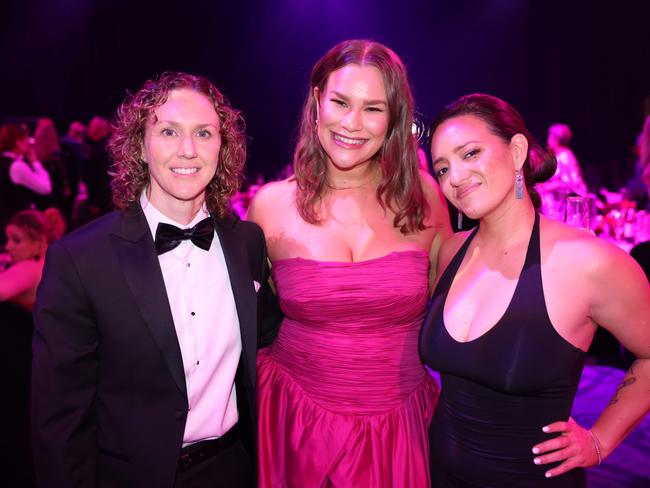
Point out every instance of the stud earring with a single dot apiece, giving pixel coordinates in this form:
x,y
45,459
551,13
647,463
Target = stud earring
x,y
519,185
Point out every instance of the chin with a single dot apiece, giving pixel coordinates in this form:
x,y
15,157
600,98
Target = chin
x,y
471,213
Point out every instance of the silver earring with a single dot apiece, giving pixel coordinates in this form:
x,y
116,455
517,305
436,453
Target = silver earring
x,y
519,185
459,222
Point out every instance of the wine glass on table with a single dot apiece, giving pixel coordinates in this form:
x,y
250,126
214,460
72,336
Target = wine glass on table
x,y
578,212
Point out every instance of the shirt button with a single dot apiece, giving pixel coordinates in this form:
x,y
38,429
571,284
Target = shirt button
x,y
193,314
188,265
197,363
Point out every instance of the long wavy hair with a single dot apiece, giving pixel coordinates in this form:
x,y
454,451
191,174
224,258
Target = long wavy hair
x,y
400,188
504,122
130,173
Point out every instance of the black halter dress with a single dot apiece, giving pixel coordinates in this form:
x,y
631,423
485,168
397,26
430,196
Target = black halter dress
x,y
501,388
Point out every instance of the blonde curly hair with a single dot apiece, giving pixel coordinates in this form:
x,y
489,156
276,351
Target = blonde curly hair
x,y
130,173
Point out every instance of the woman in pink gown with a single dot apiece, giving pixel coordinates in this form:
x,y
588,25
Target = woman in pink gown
x,y
343,398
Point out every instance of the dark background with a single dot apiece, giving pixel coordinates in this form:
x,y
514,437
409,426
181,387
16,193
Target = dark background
x,y
583,63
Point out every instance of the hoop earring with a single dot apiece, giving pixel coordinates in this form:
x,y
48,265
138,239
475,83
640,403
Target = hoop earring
x,y
519,185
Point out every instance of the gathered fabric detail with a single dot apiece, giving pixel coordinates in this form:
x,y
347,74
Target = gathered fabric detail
x,y
343,399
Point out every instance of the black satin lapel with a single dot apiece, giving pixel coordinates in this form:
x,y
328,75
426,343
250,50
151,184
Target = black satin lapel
x,y
241,281
144,277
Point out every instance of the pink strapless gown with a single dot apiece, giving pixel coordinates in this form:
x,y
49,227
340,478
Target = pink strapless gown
x,y
342,396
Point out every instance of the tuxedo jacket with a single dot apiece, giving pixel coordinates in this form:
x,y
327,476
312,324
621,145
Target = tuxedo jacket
x,y
109,401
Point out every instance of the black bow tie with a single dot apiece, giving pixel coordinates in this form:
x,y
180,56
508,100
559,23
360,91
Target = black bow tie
x,y
169,236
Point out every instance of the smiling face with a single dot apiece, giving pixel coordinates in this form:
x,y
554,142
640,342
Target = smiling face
x,y
20,246
475,167
181,147
352,116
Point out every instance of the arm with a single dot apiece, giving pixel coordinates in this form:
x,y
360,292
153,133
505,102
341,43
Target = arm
x,y
36,179
64,377
620,301
622,305
18,279
270,313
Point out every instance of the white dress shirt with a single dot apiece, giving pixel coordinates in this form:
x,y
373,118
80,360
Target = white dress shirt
x,y
33,176
207,327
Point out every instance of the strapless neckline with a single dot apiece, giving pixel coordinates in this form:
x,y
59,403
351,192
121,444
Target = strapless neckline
x,y
390,255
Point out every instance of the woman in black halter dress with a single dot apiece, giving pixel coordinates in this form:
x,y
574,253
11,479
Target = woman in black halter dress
x,y
515,308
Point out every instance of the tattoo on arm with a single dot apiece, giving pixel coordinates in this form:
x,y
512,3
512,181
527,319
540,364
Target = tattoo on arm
x,y
629,379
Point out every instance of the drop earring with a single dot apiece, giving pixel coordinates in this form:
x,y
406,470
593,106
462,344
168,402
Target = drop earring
x,y
459,221
519,185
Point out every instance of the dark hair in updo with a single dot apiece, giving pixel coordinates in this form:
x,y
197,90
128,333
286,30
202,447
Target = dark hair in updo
x,y
505,122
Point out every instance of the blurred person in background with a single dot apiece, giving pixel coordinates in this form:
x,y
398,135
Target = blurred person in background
x,y
74,152
28,233
567,179
22,177
48,152
95,171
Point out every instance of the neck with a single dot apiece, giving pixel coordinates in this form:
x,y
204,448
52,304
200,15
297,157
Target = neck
x,y
508,225
181,211
365,176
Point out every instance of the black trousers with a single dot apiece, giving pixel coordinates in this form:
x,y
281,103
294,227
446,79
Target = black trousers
x,y
231,468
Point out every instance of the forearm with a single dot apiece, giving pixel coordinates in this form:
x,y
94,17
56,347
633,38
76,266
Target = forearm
x,y
13,282
35,178
626,409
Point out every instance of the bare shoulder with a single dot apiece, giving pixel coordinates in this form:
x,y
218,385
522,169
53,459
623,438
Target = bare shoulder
x,y
582,251
270,200
450,248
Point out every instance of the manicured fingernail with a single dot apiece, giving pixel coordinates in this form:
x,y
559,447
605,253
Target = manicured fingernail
x,y
535,450
548,474
545,428
537,460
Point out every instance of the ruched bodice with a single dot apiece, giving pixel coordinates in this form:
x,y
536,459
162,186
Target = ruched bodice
x,y
343,395
366,315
